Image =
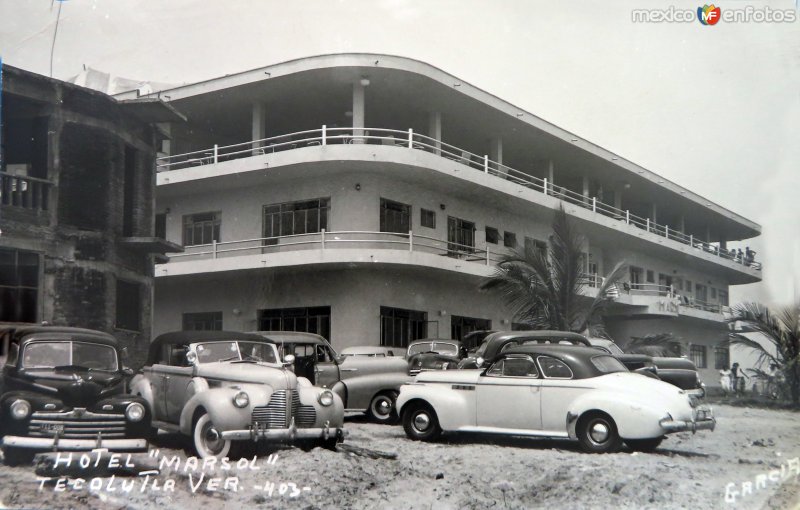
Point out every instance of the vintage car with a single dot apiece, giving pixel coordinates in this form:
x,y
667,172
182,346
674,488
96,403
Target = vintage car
x,y
224,388
368,385
370,351
434,354
552,391
680,372
65,389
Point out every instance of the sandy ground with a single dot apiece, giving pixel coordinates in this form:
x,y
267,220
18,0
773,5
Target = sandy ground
x,y
472,472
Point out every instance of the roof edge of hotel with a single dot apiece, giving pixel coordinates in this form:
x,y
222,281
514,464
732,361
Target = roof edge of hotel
x,y
526,117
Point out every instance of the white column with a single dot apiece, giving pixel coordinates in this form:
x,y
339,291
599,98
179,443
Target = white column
x,y
585,189
682,224
358,111
435,130
496,154
259,127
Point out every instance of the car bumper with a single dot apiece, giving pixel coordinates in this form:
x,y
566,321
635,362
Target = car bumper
x,y
703,420
61,444
288,434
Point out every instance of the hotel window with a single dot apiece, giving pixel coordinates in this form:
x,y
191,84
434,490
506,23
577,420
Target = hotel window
x,y
19,286
722,357
161,225
492,235
315,319
399,326
201,228
713,293
651,276
701,292
427,218
509,239
128,315
636,277
202,321
688,285
723,297
697,353
462,326
293,218
460,235
395,217
535,244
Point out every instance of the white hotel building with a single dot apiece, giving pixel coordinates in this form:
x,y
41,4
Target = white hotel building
x,y
365,197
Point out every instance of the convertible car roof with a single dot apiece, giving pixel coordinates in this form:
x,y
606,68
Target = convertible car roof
x,y
577,357
190,337
62,333
281,337
185,337
544,334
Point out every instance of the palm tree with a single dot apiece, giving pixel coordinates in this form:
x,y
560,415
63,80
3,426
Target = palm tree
x,y
780,335
544,288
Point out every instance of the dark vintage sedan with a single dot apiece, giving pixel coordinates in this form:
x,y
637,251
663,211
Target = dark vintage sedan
x,y
434,354
679,372
65,389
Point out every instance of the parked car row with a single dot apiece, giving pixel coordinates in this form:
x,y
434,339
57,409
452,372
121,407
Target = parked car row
x,y
68,389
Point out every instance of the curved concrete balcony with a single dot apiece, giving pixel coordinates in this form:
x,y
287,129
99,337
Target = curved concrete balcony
x,y
408,149
341,248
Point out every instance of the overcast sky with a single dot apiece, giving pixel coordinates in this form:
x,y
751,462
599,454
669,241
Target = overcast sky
x,y
714,108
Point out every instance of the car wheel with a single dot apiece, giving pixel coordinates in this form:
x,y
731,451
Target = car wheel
x,y
382,409
17,456
421,423
597,433
207,441
644,445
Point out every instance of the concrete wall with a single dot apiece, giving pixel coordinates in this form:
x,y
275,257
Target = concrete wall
x,y
355,296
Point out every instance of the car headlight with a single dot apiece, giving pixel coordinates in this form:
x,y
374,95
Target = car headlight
x,y
20,409
445,365
325,398
241,399
134,412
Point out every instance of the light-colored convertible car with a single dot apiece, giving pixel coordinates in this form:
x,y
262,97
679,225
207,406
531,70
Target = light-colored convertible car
x,y
552,391
224,388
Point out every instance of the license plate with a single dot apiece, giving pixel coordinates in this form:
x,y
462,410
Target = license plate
x,y
52,427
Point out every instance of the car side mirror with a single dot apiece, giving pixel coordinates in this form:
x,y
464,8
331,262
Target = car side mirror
x,y
191,358
288,359
128,371
480,361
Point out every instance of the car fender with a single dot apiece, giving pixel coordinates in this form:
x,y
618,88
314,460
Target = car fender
x,y
140,385
333,415
454,408
635,418
218,403
360,390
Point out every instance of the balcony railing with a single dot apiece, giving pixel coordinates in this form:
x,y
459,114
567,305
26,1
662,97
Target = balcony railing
x,y
24,192
683,300
324,240
414,141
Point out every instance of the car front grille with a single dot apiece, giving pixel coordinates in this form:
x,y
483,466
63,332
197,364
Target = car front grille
x,y
274,415
77,424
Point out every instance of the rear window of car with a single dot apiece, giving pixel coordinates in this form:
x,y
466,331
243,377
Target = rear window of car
x,y
608,364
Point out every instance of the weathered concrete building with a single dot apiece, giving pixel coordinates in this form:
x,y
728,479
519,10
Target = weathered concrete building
x,y
77,186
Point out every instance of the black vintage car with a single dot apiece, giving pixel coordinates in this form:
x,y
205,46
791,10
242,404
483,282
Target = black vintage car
x,y
434,354
65,389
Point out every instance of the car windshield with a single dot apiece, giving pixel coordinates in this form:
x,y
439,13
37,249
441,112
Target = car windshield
x,y
608,364
70,354
437,347
214,352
